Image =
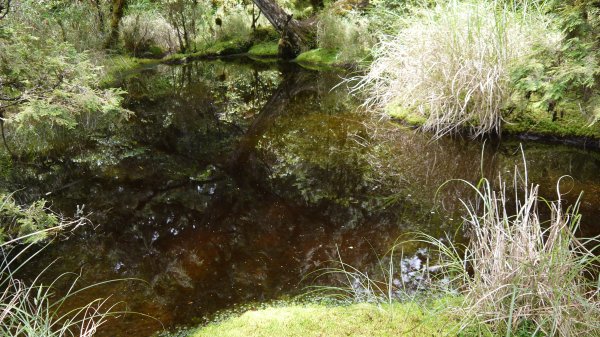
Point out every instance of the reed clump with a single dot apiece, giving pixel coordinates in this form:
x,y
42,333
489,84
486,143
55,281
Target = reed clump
x,y
450,62
520,273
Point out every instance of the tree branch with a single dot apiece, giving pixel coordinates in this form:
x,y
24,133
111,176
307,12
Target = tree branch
x,y
4,8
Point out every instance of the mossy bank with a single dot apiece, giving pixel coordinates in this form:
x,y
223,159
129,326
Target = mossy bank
x,y
407,319
570,126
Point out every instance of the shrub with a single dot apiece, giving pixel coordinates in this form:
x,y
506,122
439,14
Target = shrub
x,y
20,221
563,77
53,93
81,23
450,62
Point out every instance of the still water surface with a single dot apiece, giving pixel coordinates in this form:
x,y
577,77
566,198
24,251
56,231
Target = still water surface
x,y
235,180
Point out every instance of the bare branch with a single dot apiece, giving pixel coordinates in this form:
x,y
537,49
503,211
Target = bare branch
x,y
4,8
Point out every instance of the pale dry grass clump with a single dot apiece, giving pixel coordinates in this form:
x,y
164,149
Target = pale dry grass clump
x,y
450,62
521,274
349,35
142,31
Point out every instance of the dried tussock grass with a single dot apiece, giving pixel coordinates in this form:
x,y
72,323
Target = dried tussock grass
x,y
450,62
140,31
521,271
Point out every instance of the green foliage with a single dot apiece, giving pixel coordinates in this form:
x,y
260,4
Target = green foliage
x,y
189,19
30,221
148,34
49,88
557,76
231,24
235,22
81,23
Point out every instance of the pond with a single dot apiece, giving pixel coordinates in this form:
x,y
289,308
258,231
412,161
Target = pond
x,y
236,179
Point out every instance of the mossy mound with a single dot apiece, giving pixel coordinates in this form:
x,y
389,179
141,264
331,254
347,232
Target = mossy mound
x,y
567,124
407,319
319,57
570,123
230,47
117,66
264,49
405,115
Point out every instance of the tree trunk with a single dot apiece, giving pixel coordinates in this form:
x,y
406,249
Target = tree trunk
x,y
296,36
99,15
118,7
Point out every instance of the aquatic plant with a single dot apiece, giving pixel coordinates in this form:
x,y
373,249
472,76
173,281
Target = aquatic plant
x,y
450,62
396,277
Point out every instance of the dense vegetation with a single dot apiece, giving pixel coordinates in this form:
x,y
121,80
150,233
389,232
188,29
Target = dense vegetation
x,y
480,67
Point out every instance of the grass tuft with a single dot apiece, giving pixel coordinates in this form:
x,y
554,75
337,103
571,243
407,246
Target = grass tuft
x,y
450,62
523,273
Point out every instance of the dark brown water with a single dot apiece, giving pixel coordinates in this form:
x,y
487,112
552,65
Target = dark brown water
x,y
235,180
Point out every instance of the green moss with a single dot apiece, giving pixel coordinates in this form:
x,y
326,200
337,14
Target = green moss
x,y
265,34
230,47
405,115
175,58
318,57
407,319
265,49
569,123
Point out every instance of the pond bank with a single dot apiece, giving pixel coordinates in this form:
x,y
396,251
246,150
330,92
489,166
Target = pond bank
x,y
569,128
404,319
316,59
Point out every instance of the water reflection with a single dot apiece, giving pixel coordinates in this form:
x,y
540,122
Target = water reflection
x,y
235,180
